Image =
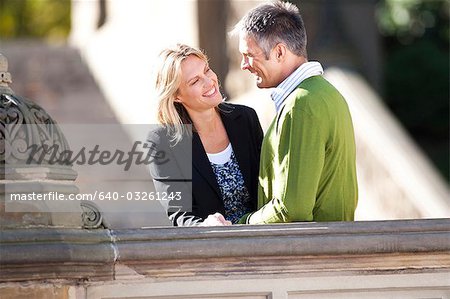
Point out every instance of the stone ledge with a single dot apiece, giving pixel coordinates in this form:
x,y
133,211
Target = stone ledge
x,y
55,253
332,238
354,247
283,267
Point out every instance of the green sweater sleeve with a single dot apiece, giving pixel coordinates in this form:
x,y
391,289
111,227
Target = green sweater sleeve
x,y
296,169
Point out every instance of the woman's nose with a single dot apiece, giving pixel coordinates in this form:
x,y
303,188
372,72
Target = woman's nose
x,y
211,77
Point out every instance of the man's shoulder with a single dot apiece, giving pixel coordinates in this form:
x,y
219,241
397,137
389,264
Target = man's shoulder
x,y
316,85
315,89
313,96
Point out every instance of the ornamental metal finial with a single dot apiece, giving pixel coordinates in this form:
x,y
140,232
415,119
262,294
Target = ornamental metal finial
x,y
5,77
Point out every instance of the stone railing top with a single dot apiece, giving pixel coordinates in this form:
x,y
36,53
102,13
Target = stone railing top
x,y
335,248
21,246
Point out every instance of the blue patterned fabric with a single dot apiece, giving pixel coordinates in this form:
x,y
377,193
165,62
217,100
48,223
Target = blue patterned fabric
x,y
235,195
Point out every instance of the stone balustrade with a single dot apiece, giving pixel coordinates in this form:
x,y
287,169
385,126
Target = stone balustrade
x,y
405,257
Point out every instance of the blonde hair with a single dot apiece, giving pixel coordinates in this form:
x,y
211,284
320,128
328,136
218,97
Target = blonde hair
x,y
168,79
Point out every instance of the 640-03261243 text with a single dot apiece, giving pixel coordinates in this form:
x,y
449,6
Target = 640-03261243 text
x,y
97,195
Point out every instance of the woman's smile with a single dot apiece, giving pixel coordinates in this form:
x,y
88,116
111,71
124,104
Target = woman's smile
x,y
210,92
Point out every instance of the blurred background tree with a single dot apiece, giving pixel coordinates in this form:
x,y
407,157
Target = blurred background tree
x,y
416,79
44,19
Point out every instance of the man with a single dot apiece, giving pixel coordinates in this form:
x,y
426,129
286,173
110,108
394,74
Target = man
x,y
308,167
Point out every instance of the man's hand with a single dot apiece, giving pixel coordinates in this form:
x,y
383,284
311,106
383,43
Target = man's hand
x,y
215,220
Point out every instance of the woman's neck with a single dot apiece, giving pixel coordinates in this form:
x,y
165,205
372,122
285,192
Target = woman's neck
x,y
211,130
206,121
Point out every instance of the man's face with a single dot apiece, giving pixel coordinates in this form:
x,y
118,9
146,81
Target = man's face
x,y
266,71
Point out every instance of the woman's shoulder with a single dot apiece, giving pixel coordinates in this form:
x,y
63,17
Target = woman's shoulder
x,y
236,109
157,132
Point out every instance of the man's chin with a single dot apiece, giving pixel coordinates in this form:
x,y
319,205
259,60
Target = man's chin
x,y
261,85
259,82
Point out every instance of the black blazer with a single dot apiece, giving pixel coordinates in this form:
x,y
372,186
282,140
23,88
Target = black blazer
x,y
196,182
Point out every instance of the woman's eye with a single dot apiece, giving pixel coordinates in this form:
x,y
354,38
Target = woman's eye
x,y
195,81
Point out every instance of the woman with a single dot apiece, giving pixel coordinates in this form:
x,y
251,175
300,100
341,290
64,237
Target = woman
x,y
225,139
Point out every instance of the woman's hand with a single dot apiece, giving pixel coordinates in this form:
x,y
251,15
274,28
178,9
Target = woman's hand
x,y
215,220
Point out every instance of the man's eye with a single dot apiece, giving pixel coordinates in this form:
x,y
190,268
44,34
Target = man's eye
x,y
195,81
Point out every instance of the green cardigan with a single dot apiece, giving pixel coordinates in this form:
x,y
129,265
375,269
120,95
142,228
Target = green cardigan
x,y
308,159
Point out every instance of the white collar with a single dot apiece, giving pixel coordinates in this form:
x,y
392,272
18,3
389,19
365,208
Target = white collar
x,y
304,71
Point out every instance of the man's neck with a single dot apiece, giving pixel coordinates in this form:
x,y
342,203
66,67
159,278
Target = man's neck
x,y
293,62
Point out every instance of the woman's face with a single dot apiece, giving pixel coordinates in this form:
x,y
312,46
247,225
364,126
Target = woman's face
x,y
199,88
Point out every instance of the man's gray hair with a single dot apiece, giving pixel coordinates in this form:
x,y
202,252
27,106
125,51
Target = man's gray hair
x,y
271,23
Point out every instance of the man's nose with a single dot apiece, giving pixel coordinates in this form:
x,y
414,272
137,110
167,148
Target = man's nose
x,y
244,64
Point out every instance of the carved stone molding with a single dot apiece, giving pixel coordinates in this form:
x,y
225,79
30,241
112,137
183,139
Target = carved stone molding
x,y
24,124
5,77
27,166
335,248
91,217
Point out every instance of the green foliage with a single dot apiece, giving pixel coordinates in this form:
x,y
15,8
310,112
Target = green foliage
x,y
417,77
416,37
46,19
409,20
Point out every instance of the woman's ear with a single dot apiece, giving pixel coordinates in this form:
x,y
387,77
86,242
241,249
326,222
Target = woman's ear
x,y
177,100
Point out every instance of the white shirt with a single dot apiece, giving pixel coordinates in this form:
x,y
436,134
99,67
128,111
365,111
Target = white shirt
x,y
221,157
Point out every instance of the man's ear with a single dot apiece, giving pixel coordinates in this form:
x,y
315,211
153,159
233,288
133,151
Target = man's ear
x,y
177,100
280,52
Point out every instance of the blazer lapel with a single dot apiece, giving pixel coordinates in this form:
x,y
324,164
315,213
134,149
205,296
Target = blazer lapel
x,y
236,129
201,163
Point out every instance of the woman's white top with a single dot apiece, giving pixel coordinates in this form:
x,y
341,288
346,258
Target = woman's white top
x,y
221,157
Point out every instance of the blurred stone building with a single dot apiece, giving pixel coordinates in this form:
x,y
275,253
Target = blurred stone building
x,y
119,41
